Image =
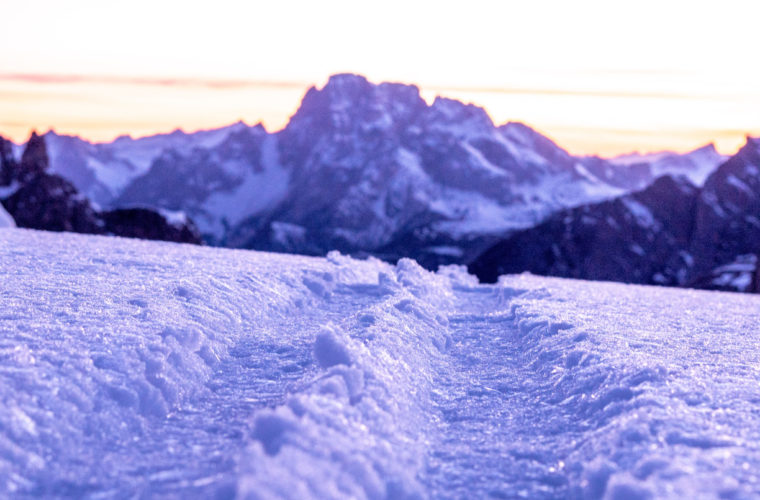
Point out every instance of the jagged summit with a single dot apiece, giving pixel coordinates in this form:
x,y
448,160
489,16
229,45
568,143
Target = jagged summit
x,y
35,159
348,100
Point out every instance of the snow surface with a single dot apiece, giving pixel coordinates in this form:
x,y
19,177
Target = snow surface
x,y
143,369
257,191
103,170
696,165
737,274
5,218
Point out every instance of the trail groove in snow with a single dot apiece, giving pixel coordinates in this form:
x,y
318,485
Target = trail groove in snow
x,y
495,428
147,369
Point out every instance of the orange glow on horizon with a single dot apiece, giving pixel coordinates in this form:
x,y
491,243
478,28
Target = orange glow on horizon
x,y
581,72
100,109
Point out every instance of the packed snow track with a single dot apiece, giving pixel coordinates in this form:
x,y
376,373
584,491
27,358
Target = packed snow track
x,y
134,369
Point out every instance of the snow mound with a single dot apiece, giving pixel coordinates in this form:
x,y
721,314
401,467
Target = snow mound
x,y
5,219
140,369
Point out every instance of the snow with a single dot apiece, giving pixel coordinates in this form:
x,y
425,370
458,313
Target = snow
x,y
141,152
113,166
7,191
257,192
641,213
5,219
116,175
737,274
470,212
174,217
739,184
144,369
448,250
696,165
286,233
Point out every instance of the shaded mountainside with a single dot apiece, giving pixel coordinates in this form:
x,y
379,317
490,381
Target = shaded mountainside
x,y
364,168
671,233
36,199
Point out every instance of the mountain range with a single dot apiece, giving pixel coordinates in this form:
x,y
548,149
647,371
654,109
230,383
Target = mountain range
x,y
374,169
671,233
363,168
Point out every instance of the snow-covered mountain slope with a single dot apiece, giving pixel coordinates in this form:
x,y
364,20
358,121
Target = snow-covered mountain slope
x,y
671,233
101,171
142,369
217,186
641,237
696,165
5,219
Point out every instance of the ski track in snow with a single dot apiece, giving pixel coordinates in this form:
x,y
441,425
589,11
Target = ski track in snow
x,y
143,369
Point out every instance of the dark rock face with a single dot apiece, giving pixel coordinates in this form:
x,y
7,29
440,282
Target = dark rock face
x,y
632,239
8,164
35,160
727,219
49,202
148,225
671,233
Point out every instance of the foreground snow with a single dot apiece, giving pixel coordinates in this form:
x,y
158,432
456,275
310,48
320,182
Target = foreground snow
x,y
134,369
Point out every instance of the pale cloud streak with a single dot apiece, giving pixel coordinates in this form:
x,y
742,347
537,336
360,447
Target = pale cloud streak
x,y
210,83
227,84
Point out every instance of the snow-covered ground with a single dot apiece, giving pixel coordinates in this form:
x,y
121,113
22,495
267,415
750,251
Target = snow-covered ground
x,y
135,369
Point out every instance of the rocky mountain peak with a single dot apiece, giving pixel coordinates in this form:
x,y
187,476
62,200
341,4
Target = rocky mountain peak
x,y
466,116
349,101
35,160
7,162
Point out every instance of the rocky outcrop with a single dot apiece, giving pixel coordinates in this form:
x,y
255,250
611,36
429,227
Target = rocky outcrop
x,y
51,203
148,225
727,214
634,239
36,199
8,164
35,159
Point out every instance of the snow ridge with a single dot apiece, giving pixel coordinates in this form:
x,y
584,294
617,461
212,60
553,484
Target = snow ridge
x,y
360,421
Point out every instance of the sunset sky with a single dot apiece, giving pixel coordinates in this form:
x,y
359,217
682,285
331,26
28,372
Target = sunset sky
x,y
603,77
